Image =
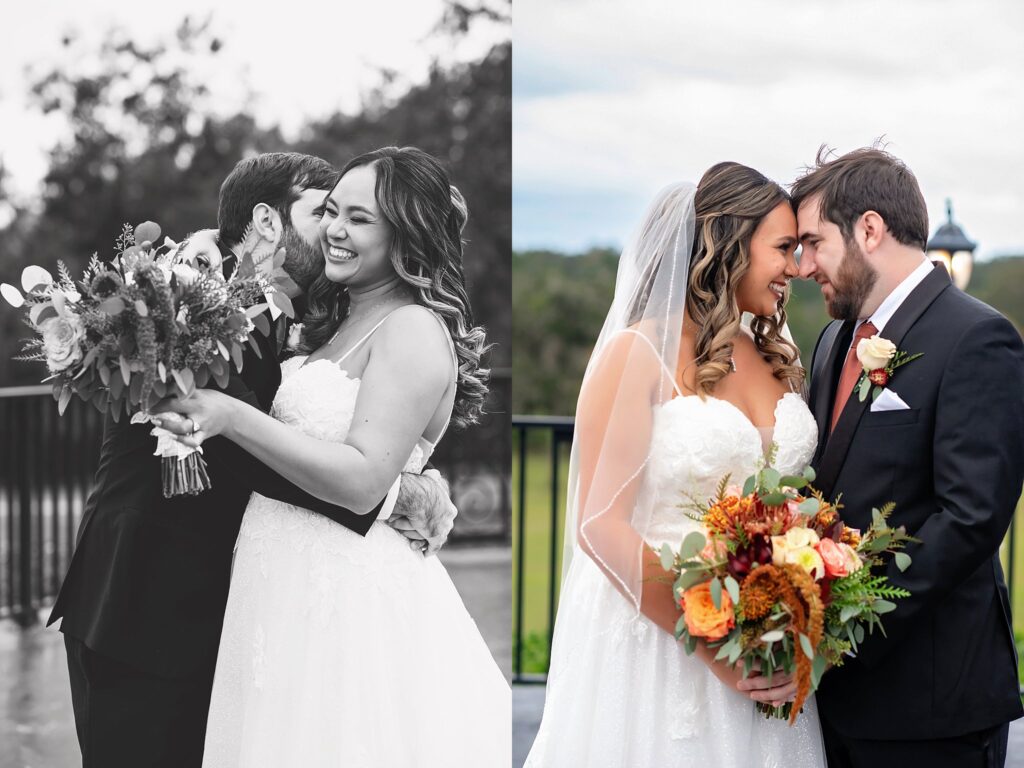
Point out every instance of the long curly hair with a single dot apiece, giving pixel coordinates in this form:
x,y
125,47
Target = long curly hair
x,y
731,201
427,215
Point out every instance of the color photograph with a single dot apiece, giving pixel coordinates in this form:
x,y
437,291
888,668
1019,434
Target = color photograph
x,y
767,447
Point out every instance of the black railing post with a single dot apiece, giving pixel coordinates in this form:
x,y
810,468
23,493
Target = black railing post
x,y
520,560
25,612
553,575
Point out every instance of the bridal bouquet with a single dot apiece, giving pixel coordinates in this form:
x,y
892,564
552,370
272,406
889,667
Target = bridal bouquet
x,y
777,582
149,324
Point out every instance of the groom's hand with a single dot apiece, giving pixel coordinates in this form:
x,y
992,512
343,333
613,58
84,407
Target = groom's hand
x,y
780,689
423,512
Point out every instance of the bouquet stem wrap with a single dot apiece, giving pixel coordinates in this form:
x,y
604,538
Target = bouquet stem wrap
x,y
182,467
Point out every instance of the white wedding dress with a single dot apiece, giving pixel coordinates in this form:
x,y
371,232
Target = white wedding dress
x,y
621,692
340,650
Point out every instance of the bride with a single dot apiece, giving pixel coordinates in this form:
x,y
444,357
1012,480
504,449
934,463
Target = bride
x,y
678,393
336,649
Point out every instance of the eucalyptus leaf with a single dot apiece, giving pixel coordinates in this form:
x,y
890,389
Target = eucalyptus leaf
x,y
733,589
817,670
902,560
774,499
805,645
692,545
883,606
668,558
809,507
112,306
688,579
65,398
773,636
750,485
792,481
770,478
875,393
848,612
691,645
809,473
716,593
680,626
865,387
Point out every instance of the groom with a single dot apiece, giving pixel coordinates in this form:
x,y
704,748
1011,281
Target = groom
x,y
143,600
945,442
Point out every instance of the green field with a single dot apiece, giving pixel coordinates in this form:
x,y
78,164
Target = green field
x,y
537,552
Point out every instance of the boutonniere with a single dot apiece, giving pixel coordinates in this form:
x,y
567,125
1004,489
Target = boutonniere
x,y
880,359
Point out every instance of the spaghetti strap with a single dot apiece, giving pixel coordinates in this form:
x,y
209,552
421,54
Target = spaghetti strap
x,y
373,330
671,374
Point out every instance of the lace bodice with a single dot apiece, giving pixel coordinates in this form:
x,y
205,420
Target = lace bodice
x,y
320,399
695,442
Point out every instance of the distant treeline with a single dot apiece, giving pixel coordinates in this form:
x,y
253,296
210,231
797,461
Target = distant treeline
x,y
142,147
559,302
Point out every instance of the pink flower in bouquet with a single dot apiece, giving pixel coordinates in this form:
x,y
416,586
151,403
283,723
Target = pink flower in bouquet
x,y
833,557
715,549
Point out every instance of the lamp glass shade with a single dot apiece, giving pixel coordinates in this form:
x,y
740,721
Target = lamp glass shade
x,y
962,263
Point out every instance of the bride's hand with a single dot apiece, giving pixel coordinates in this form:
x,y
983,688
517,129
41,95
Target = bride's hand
x,y
780,689
207,413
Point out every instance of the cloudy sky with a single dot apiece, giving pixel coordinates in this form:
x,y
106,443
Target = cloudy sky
x,y
300,58
614,100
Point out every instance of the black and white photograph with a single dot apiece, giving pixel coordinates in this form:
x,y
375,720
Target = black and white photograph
x,y
255,385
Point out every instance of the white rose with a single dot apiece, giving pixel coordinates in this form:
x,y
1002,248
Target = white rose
x,y
186,275
875,352
62,338
796,539
799,536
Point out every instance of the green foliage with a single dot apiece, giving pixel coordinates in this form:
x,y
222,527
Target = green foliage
x,y
559,302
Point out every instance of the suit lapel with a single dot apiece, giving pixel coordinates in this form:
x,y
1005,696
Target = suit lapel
x,y
823,376
834,453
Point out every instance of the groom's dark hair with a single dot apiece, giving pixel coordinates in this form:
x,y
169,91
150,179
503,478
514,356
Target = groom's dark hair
x,y
274,178
866,179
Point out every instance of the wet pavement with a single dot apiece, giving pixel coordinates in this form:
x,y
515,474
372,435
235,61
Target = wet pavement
x,y
36,725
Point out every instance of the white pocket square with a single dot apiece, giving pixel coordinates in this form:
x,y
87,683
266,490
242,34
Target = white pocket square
x,y
888,401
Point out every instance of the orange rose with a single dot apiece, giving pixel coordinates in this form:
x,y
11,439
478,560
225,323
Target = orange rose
x,y
702,618
833,557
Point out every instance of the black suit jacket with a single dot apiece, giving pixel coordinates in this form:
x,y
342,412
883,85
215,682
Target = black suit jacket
x,y
148,581
954,464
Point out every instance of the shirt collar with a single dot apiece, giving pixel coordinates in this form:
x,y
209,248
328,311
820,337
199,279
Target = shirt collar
x,y
894,300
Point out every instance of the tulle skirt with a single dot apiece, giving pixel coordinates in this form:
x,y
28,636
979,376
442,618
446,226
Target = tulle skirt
x,y
339,650
622,692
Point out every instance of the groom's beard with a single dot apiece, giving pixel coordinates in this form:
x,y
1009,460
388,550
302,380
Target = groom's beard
x,y
852,284
302,261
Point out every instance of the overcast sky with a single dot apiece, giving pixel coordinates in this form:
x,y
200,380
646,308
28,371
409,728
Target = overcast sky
x,y
302,58
614,100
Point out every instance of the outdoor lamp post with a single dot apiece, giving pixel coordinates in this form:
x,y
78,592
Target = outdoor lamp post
x,y
950,246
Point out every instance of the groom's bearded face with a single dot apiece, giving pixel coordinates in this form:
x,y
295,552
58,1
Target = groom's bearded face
x,y
304,260
851,284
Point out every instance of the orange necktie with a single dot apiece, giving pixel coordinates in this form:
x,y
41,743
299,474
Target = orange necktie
x,y
852,370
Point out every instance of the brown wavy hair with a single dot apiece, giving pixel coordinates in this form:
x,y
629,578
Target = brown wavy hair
x,y
427,215
731,200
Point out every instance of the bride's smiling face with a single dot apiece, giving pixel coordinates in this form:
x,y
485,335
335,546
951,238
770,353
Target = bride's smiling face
x,y
772,263
355,237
